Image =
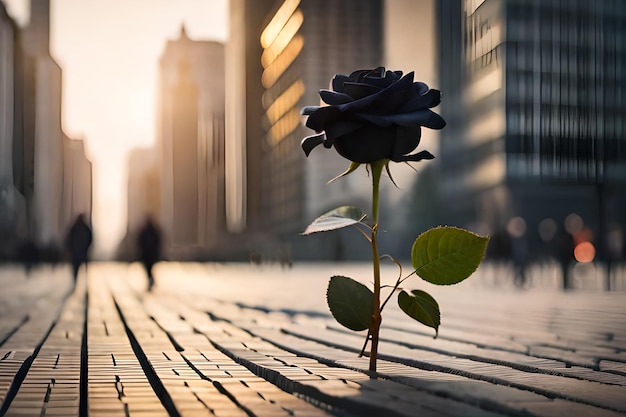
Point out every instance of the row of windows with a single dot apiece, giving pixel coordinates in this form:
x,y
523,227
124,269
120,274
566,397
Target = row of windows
x,y
564,90
486,61
524,166
576,32
565,160
283,183
580,23
604,61
565,122
586,148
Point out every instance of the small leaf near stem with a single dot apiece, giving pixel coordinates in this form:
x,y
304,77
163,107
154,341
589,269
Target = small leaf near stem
x,y
421,306
350,302
336,219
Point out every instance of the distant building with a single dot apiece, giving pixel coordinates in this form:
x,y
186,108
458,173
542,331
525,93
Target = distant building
x,y
534,94
144,190
12,204
43,137
45,177
191,142
143,198
77,182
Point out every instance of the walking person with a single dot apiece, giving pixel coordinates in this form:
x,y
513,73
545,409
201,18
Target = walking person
x,y
78,242
149,249
564,253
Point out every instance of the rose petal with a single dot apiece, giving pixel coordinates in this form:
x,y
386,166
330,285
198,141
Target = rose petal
x,y
407,139
319,118
420,87
415,157
308,110
359,75
358,91
381,81
334,98
310,142
384,102
342,127
431,99
366,145
425,117
337,82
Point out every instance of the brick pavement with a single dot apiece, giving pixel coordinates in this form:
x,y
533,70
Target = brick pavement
x,y
237,340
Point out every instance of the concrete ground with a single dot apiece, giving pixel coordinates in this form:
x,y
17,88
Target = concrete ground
x,y
242,340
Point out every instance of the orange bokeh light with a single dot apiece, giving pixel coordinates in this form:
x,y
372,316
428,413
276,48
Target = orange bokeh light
x,y
584,252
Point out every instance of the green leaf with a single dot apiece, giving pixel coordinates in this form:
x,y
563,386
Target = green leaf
x,y
351,303
336,219
421,307
447,255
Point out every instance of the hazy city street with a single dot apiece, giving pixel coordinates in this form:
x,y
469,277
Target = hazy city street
x,y
237,340
163,163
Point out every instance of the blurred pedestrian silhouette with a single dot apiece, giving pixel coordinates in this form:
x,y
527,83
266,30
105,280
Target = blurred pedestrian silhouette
x,y
564,253
516,229
77,242
499,248
149,248
28,254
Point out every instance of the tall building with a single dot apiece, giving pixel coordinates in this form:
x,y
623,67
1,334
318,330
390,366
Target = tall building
x,y
534,92
43,137
305,44
191,141
244,131
45,177
290,50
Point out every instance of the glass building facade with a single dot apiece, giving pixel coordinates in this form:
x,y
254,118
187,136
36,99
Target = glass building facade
x,y
534,93
565,89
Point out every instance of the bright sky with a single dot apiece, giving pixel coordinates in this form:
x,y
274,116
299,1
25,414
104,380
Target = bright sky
x,y
109,51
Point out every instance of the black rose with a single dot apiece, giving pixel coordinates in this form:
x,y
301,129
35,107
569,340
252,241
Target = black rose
x,y
373,115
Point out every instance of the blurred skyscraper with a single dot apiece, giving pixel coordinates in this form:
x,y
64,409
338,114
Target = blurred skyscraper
x,y
12,204
191,140
43,107
291,49
45,177
534,95
77,182
144,188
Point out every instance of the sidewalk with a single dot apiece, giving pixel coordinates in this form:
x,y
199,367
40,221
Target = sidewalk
x,y
238,340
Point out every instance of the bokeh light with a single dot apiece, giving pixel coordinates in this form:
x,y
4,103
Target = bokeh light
x,y
585,252
547,229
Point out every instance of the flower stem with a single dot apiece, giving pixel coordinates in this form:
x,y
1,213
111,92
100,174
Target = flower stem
x,y
377,169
